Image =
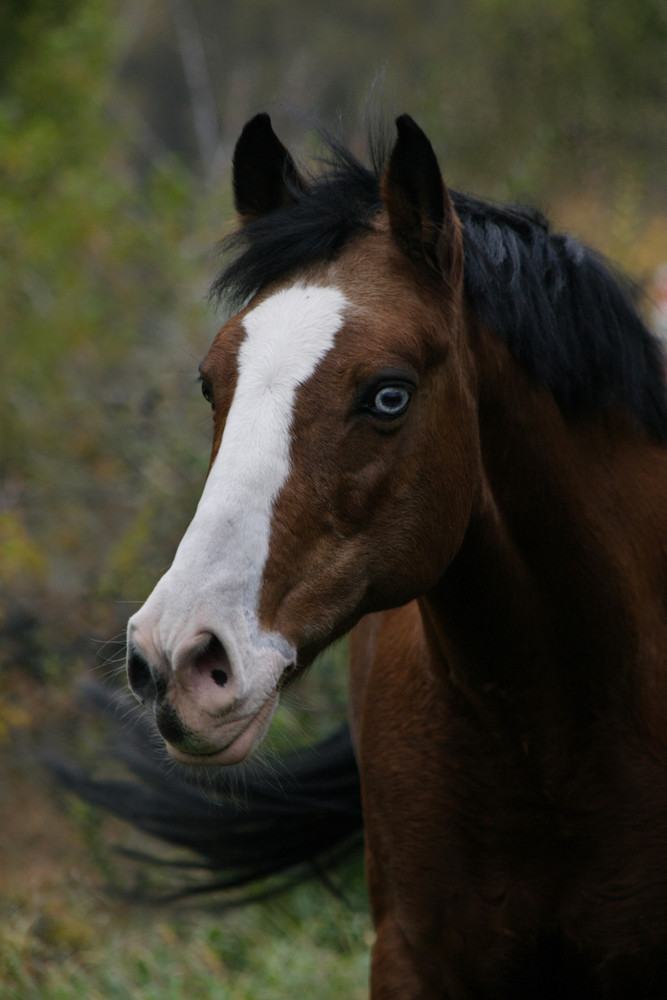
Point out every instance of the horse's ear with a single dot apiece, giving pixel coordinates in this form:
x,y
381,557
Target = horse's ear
x,y
421,214
264,174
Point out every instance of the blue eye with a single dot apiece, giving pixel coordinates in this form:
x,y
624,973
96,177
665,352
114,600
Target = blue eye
x,y
386,396
392,400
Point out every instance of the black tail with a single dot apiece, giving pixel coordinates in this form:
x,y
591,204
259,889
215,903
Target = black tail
x,y
281,821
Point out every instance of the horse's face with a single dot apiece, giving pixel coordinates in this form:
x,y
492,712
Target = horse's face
x,y
344,467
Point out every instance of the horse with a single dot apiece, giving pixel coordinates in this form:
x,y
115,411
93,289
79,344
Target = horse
x,y
439,428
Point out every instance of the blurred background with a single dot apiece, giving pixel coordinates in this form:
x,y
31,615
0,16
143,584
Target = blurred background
x,y
117,123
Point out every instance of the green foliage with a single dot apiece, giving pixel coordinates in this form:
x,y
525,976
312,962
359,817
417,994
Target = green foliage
x,y
20,558
100,332
308,943
22,21
574,90
524,99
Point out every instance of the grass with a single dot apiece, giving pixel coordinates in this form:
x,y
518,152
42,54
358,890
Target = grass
x,y
306,944
64,937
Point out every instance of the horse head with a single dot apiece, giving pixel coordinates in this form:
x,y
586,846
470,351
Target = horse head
x,y
345,459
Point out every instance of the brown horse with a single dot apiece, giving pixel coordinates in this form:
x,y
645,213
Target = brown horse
x,y
442,427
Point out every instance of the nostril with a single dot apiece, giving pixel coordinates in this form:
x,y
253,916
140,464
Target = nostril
x,y
213,660
140,676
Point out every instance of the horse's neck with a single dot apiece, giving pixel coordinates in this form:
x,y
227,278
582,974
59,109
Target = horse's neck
x,y
558,592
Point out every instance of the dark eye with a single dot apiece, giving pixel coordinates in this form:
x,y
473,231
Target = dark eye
x,y
207,392
391,400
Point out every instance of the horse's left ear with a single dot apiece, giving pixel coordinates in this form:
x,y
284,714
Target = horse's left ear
x,y
264,174
421,214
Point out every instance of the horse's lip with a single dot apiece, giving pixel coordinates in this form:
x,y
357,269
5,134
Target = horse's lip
x,y
203,759
235,750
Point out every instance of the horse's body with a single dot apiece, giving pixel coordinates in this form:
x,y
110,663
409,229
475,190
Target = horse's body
x,y
400,450
528,729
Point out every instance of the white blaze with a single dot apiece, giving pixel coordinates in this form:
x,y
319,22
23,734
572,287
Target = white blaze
x,y
213,583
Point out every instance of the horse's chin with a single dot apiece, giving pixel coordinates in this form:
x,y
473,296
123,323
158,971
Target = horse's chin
x,y
233,751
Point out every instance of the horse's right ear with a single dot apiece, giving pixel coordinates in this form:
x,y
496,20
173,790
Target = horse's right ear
x,y
264,174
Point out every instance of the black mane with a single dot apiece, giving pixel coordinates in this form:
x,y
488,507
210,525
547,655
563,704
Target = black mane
x,y
564,316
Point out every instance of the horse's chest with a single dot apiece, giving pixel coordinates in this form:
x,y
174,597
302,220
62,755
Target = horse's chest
x,y
514,870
